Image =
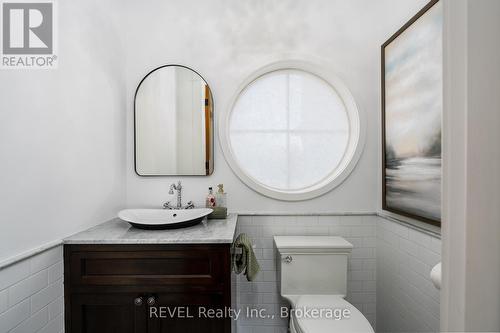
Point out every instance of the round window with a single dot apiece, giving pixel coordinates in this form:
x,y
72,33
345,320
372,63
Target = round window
x,y
292,134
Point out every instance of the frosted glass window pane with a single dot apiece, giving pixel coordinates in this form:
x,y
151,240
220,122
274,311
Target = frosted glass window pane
x,y
313,156
314,105
264,156
263,105
289,130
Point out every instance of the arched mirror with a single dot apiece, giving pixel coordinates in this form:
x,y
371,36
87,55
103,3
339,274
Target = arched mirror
x,y
173,124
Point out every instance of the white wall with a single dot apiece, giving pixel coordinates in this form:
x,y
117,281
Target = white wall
x,y
62,134
471,243
226,41
483,168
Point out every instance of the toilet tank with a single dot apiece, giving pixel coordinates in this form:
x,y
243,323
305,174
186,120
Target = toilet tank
x,y
312,265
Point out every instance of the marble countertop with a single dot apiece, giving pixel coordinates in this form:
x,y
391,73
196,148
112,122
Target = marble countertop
x,y
117,231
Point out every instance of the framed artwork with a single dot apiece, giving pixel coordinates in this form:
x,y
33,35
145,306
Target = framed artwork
x,y
412,104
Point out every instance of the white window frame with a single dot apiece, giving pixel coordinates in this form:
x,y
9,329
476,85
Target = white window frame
x,y
357,129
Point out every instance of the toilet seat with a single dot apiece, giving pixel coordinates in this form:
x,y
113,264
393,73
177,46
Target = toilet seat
x,y
356,323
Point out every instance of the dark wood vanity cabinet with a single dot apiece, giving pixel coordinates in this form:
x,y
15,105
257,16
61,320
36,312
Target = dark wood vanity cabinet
x,y
146,288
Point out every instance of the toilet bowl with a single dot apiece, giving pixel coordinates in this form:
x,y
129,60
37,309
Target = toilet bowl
x,y
313,271
355,322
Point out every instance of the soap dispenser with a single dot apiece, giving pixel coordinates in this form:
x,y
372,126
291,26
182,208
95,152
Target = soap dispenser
x,y
210,201
220,208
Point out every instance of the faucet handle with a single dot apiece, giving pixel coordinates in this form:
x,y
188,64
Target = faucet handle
x,y
166,205
172,187
190,205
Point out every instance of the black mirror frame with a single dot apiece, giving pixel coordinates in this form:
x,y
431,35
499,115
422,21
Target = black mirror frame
x,y
211,164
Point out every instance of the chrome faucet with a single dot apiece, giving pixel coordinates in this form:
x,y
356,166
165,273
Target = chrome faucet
x,y
177,188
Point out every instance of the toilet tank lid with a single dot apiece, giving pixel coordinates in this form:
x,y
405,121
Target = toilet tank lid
x,y
286,244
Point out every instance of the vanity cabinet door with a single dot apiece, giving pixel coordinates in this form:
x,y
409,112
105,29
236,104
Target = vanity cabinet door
x,y
107,313
103,282
188,313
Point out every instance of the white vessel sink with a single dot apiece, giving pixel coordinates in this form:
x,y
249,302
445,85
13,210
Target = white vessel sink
x,y
164,218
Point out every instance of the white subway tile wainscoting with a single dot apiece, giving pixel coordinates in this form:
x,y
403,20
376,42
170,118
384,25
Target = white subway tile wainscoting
x,y
31,294
388,276
264,293
407,301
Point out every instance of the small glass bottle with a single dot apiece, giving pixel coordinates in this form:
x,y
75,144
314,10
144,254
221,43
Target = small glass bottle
x,y
210,202
220,196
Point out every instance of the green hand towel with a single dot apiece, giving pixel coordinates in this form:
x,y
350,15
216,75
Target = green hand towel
x,y
245,261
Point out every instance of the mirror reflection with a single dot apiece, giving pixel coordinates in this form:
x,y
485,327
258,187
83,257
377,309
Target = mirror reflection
x,y
173,123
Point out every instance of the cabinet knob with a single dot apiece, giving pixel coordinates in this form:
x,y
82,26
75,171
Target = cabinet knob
x,y
151,301
138,301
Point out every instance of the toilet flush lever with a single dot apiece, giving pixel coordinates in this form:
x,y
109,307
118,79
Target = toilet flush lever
x,y
288,259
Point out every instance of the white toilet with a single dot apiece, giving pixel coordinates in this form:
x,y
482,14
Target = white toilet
x,y
314,276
